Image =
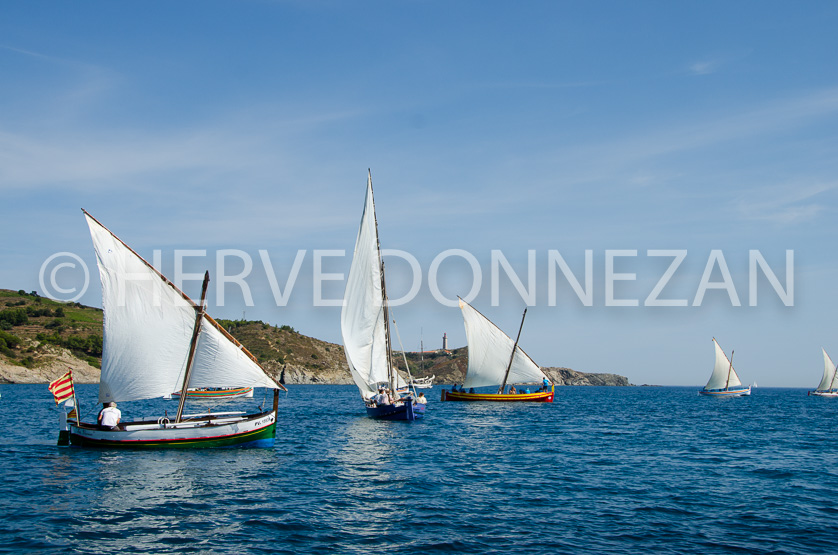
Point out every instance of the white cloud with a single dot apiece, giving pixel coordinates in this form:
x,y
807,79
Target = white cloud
x,y
783,205
704,67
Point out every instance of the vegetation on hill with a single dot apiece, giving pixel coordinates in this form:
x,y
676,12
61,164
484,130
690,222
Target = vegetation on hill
x,y
29,323
35,330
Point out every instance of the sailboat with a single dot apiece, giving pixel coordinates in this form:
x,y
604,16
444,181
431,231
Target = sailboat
x,y
217,393
365,326
157,340
423,383
827,387
495,360
724,381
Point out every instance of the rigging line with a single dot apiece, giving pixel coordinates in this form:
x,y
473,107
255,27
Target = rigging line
x,y
410,384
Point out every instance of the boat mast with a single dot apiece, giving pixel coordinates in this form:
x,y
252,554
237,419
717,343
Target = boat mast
x,y
730,368
421,354
199,317
512,357
832,383
390,376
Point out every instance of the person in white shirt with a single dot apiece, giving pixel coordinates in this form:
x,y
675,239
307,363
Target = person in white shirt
x,y
421,399
382,398
109,417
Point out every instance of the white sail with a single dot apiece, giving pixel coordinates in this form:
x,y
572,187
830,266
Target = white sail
x,y
489,349
221,363
719,379
828,373
148,327
362,317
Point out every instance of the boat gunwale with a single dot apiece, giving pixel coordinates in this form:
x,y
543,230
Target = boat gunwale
x,y
538,396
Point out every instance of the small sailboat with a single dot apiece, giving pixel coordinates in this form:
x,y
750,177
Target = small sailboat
x,y
217,393
423,383
827,387
365,326
157,340
428,381
495,360
724,381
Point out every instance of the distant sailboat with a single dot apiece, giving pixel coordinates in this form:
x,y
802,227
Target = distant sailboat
x,y
217,393
724,381
423,383
827,387
365,326
495,360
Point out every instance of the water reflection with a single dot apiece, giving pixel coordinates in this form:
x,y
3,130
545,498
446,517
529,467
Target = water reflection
x,y
367,479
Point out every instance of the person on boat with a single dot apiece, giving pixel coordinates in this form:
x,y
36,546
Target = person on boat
x,y
382,398
109,417
471,390
545,384
421,399
512,390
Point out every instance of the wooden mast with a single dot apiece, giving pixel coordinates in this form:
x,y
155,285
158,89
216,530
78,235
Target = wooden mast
x,y
199,317
512,357
727,384
390,374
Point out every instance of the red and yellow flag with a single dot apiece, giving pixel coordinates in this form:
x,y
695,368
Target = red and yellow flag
x,y
62,388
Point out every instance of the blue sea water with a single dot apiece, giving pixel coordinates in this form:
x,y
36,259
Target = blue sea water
x,y
600,470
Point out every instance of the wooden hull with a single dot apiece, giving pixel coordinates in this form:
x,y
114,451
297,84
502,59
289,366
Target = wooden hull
x,y
223,430
221,393
537,397
726,392
405,411
824,393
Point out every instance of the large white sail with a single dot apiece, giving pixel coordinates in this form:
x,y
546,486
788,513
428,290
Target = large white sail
x,y
489,349
719,378
362,317
828,373
148,327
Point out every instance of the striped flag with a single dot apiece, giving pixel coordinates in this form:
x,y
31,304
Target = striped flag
x,y
62,388
72,415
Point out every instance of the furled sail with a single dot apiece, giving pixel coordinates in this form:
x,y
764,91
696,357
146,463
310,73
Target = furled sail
x,y
362,317
489,349
828,373
719,378
148,326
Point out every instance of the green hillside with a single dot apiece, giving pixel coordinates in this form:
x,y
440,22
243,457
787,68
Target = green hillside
x,y
30,323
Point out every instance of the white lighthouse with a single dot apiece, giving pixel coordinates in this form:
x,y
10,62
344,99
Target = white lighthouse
x,y
444,341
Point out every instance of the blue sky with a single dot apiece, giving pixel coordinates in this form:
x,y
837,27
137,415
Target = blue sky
x,y
515,127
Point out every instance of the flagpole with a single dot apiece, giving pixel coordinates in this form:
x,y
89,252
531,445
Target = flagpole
x,y
75,400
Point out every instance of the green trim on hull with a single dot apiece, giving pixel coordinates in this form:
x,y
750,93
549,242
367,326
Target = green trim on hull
x,y
264,437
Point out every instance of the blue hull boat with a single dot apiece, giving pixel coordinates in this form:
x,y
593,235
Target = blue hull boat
x,y
405,411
